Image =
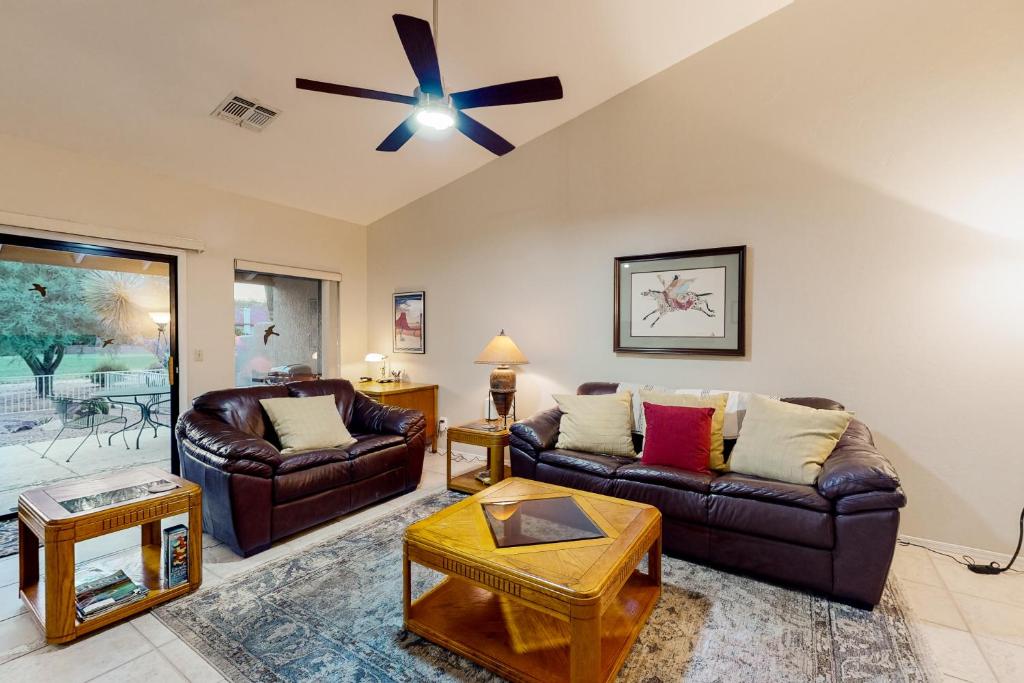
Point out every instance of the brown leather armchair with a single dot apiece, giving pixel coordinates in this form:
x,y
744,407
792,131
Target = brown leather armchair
x,y
836,537
253,496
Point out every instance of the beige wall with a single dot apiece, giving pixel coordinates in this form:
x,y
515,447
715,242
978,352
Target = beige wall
x,y
863,150
44,181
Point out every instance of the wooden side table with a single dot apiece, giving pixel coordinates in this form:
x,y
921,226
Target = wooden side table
x,y
422,397
41,516
476,434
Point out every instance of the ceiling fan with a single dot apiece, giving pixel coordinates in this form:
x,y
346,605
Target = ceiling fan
x,y
432,107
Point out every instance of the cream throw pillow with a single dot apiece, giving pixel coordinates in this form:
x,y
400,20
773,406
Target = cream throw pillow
x,y
716,401
307,423
596,424
786,442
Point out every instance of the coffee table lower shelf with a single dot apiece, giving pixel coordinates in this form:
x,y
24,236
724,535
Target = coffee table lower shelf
x,y
518,642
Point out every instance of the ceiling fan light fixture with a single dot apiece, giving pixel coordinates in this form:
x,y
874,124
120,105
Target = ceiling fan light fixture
x,y
436,116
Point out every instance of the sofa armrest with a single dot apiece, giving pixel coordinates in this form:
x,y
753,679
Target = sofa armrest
x,y
536,433
855,466
371,417
216,443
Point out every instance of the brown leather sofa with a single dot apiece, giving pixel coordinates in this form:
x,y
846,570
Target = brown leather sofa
x,y
836,537
253,496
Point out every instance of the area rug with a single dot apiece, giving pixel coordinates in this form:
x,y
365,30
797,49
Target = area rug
x,y
333,612
8,537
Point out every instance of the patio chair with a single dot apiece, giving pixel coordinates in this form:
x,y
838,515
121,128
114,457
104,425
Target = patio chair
x,y
88,413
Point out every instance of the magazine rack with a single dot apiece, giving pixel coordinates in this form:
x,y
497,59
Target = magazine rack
x,y
64,514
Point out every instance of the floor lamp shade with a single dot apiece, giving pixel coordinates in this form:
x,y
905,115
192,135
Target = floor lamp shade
x,y
502,352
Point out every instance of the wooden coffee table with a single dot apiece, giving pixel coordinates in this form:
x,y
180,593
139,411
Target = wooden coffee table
x,y
560,611
43,514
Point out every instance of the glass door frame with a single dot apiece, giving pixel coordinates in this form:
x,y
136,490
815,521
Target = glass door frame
x,y
171,260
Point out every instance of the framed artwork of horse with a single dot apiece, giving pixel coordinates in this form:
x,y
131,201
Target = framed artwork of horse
x,y
409,326
681,302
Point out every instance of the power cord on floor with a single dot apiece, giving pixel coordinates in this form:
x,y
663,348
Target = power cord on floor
x,y
456,456
974,565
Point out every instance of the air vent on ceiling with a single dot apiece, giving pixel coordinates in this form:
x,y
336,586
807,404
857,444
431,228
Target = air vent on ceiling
x,y
244,112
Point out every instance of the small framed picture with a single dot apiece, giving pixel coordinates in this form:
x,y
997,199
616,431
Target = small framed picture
x,y
681,302
409,330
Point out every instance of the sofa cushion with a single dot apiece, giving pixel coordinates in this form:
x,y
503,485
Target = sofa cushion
x,y
670,477
241,409
591,463
311,480
674,503
307,423
716,445
596,424
370,464
574,479
756,488
786,441
340,389
368,443
303,461
802,526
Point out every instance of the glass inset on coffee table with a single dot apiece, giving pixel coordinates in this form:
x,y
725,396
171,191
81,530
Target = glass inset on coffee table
x,y
538,521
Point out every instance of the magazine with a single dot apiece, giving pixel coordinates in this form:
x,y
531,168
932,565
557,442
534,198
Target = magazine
x,y
105,593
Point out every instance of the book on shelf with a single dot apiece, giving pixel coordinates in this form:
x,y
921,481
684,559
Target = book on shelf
x,y
175,555
98,596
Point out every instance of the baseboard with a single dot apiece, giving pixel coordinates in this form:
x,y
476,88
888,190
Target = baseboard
x,y
957,551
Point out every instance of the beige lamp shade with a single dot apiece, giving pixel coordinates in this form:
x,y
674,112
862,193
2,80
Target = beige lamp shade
x,y
374,357
501,351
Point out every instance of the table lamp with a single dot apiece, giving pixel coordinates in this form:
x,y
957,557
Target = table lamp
x,y
382,359
502,352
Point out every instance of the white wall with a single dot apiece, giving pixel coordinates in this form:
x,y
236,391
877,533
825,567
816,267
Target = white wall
x,y
45,181
864,151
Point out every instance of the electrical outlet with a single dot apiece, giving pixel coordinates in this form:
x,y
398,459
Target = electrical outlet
x,y
442,424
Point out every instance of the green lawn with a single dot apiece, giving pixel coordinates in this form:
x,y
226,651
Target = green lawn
x,y
14,366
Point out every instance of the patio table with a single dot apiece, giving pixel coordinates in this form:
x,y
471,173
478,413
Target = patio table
x,y
146,398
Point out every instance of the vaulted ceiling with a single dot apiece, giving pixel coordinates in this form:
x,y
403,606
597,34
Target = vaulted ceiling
x,y
135,82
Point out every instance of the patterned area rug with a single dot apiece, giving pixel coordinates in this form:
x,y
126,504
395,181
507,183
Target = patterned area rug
x,y
8,537
333,612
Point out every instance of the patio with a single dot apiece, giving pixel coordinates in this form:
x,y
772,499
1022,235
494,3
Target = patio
x,y
23,467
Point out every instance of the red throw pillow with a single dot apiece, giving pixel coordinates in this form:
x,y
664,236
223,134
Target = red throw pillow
x,y
678,436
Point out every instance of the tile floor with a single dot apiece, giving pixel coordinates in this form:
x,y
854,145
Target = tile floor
x,y
975,624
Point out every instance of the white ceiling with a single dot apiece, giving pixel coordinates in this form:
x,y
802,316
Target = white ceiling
x,y
134,81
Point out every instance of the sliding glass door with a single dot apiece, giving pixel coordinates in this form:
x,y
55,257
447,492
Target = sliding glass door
x,y
87,372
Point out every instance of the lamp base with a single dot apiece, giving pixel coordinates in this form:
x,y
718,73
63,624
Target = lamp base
x,y
503,389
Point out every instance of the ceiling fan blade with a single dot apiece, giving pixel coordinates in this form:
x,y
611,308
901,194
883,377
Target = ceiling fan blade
x,y
517,92
482,135
399,136
335,89
418,42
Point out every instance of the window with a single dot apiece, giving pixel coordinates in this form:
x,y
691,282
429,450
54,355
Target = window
x,y
278,323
